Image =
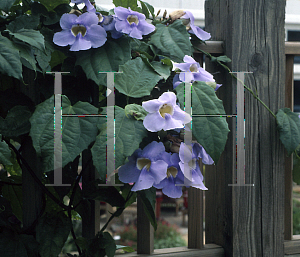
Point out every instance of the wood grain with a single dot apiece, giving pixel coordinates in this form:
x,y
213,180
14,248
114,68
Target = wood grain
x,y
249,221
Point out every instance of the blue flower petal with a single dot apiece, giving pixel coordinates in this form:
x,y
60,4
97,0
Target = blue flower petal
x,y
158,170
121,12
186,77
200,33
171,123
67,20
154,122
135,33
80,44
96,35
87,19
144,181
145,27
152,105
171,190
168,97
129,173
64,38
153,150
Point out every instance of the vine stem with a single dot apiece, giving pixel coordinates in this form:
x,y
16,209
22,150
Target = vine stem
x,y
37,180
232,75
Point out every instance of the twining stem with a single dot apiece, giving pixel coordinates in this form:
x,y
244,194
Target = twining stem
x,y
37,180
232,75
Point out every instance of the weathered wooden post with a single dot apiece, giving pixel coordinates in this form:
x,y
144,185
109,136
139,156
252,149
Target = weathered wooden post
x,y
245,220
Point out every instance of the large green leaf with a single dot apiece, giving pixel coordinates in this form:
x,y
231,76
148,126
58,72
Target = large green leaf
x,y
77,132
104,59
6,4
10,63
128,135
24,22
51,5
289,129
30,36
210,132
26,54
173,40
147,8
52,232
16,122
126,3
14,195
137,79
102,245
5,153
148,197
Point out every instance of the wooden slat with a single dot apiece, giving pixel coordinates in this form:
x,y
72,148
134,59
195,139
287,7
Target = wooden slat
x,y
195,218
292,48
213,47
288,201
292,247
209,250
91,221
145,231
248,221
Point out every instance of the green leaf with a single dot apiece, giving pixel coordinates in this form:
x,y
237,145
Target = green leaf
x,y
26,54
5,153
129,133
135,110
5,5
16,122
77,132
51,5
24,22
104,59
126,3
5,214
210,132
289,129
30,36
57,57
162,69
51,233
108,194
172,41
147,8
10,63
223,58
14,195
102,245
137,79
148,197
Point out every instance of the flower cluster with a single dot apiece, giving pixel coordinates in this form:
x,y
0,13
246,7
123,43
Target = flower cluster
x,y
88,30
190,72
153,166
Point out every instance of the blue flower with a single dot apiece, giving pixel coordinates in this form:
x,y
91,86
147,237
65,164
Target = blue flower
x,y
190,72
81,32
201,34
164,113
89,6
108,23
170,185
145,167
189,156
132,23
